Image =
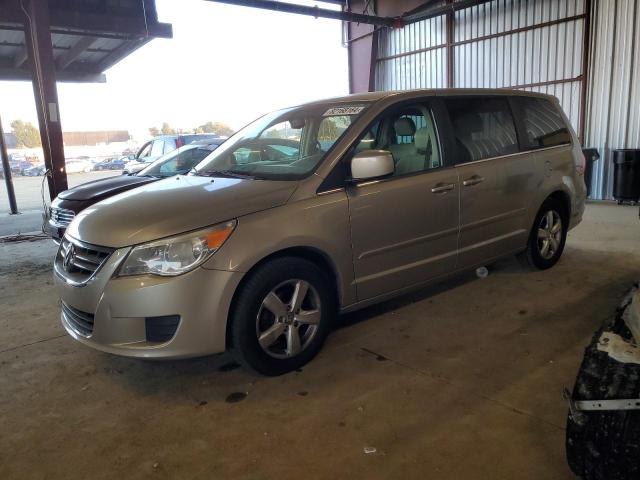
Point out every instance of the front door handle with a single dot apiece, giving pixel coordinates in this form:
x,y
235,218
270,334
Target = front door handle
x,y
443,188
476,179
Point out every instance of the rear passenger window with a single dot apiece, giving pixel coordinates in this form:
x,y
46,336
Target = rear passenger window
x,y
543,123
483,128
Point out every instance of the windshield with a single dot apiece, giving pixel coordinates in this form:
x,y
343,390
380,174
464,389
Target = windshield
x,y
284,145
178,161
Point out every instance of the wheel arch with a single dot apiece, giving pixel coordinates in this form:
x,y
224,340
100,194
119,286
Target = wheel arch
x,y
312,254
564,198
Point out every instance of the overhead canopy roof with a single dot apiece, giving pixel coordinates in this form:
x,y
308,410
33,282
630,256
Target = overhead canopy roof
x,y
88,36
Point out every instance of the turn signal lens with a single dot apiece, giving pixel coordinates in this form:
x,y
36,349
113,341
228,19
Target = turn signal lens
x,y
217,238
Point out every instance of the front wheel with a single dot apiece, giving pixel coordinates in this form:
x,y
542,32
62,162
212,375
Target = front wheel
x,y
281,316
547,237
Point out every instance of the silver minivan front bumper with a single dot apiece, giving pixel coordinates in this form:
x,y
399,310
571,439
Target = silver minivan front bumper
x,y
112,313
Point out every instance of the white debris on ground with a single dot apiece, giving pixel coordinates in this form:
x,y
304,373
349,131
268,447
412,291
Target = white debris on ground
x,y
482,272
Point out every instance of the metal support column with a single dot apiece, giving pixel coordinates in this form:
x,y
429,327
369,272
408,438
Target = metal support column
x,y
450,25
7,172
585,71
38,37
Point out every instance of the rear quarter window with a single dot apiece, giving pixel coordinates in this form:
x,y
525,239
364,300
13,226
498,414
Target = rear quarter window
x,y
543,123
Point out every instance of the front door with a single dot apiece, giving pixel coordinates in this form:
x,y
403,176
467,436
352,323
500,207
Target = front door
x,y
405,228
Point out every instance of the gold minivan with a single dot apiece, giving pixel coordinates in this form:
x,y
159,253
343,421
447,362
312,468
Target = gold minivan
x,y
318,209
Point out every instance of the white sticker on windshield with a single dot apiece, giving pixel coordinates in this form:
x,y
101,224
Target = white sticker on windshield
x,y
347,110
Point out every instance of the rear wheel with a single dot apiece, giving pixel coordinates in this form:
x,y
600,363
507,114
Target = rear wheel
x,y
281,316
547,237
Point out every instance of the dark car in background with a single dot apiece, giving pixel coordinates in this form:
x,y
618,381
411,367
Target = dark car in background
x,y
159,146
70,202
35,171
117,163
18,166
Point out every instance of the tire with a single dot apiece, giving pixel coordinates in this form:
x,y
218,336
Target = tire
x,y
263,309
535,255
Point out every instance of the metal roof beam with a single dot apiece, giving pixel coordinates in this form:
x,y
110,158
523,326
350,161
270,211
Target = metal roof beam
x,y
92,23
312,11
20,57
119,53
432,9
71,55
64,76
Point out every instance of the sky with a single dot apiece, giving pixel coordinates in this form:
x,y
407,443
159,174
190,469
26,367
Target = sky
x,y
225,63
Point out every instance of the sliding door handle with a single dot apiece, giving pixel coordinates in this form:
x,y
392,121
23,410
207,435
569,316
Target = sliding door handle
x,y
476,179
443,188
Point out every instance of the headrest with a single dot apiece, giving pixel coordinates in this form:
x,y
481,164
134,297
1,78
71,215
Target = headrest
x,y
404,127
468,123
421,139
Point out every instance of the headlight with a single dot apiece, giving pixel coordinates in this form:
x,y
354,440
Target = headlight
x,y
176,255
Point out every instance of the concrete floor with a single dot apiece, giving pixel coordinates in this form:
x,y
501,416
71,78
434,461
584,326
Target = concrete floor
x,y
459,381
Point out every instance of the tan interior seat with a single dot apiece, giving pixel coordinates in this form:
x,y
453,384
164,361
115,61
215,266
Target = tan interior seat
x,y
403,127
413,160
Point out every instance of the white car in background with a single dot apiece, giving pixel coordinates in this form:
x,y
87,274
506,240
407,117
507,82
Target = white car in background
x,y
78,166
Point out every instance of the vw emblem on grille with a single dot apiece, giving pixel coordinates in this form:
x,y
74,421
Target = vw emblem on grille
x,y
68,257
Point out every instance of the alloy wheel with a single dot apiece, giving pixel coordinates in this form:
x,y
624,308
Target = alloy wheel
x,y
549,234
288,318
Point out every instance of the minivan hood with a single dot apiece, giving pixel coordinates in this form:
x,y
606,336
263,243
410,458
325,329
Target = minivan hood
x,y
174,205
104,186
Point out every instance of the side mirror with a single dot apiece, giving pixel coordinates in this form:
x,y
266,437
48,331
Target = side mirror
x,y
370,164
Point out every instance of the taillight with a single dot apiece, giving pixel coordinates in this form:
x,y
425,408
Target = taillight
x,y
582,164
179,142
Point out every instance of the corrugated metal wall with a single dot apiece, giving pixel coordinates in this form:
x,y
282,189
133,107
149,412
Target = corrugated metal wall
x,y
613,101
533,45
412,57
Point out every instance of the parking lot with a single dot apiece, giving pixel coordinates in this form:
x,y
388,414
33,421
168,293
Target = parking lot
x,y
28,189
421,382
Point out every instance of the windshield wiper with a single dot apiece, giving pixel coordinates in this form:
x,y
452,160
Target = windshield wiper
x,y
225,173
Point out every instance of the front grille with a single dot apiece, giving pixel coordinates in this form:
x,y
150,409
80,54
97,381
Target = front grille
x,y
81,322
61,216
77,262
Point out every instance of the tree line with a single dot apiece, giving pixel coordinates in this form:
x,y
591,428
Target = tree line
x,y
218,128
28,136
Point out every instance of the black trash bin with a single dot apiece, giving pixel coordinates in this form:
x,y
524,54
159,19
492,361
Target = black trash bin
x,y
590,155
626,175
